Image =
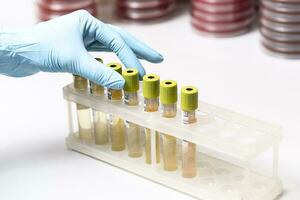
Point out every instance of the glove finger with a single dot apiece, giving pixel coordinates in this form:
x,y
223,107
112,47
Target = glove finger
x,y
140,48
99,73
97,47
115,42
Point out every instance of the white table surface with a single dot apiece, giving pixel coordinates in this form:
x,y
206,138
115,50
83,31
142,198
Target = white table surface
x,y
232,73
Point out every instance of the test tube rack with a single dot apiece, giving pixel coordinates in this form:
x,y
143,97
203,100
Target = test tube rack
x,y
227,144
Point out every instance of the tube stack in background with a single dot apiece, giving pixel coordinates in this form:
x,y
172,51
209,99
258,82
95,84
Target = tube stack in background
x,y
49,9
280,27
223,18
144,9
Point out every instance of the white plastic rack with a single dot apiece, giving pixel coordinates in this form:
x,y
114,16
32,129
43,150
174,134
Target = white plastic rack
x,y
227,144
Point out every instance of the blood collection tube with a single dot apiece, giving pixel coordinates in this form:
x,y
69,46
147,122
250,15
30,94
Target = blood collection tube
x,y
189,104
83,112
133,131
116,124
168,98
99,118
151,103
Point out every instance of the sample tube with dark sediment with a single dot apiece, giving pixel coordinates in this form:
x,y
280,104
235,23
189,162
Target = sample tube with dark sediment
x,y
168,99
151,103
99,118
133,131
189,104
83,112
116,124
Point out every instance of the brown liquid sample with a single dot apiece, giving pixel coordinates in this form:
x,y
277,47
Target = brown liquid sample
x,y
114,95
189,168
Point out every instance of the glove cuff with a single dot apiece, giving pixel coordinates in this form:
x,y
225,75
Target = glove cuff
x,y
12,59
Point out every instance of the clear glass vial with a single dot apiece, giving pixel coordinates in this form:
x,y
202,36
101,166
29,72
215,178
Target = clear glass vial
x,y
151,103
131,87
168,99
189,104
83,112
116,124
99,118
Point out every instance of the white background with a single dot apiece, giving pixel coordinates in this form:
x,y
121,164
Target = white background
x,y
232,73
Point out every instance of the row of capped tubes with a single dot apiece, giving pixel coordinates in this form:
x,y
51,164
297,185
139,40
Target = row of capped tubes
x,y
113,128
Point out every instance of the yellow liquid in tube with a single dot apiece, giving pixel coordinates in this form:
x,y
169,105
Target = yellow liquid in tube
x,y
170,152
100,127
134,140
84,122
169,142
189,165
151,106
100,119
131,99
189,105
83,112
117,128
133,130
117,134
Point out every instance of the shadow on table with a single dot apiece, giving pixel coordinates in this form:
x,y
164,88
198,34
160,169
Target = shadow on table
x,y
33,154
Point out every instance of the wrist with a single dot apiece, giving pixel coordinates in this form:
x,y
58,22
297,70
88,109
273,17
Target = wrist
x,y
6,51
13,59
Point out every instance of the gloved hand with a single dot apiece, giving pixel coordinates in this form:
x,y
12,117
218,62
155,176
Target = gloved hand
x,y
61,45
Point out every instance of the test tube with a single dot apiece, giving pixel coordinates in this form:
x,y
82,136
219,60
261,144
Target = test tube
x,y
189,104
99,118
83,112
168,98
151,103
133,131
116,124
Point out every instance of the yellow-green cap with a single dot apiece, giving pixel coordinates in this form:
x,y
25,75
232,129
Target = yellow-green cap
x,y
168,92
99,59
115,66
189,98
131,77
151,86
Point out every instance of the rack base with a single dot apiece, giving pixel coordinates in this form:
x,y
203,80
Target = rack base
x,y
217,179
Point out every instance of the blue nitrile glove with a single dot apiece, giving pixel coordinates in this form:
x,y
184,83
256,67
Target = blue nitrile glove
x,y
61,45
